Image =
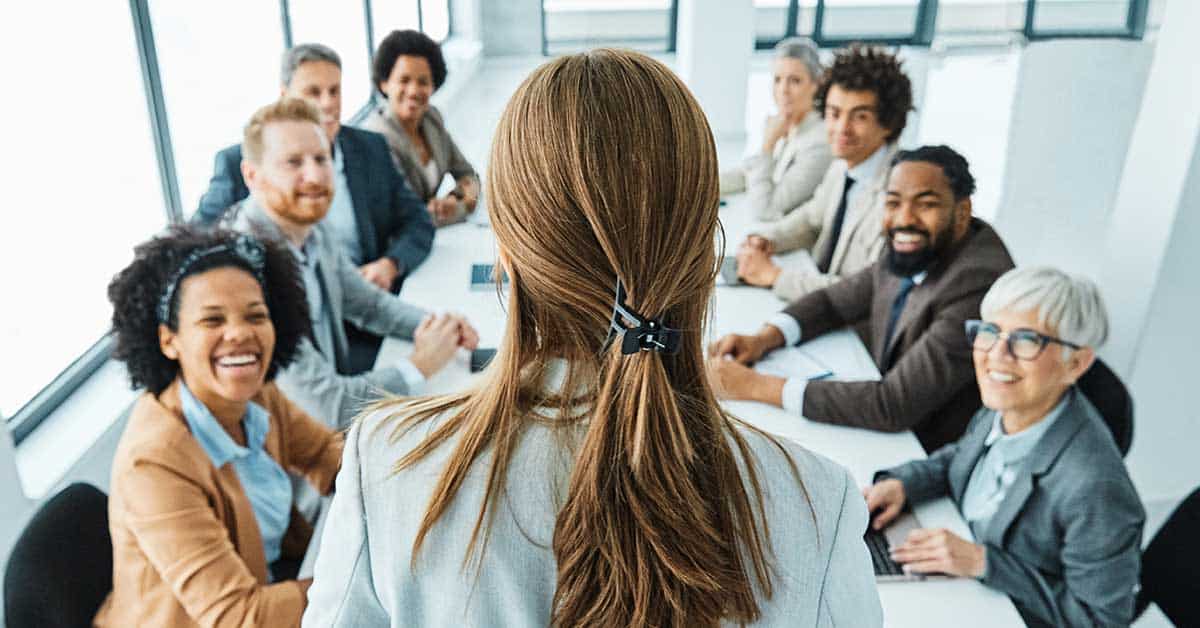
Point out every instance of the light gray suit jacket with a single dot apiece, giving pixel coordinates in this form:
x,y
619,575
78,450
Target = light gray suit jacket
x,y
363,577
1065,542
312,381
785,179
442,149
810,226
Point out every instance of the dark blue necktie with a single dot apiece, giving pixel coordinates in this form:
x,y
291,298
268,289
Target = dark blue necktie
x,y
838,219
906,286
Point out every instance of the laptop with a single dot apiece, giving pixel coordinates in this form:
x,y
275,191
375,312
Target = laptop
x,y
879,542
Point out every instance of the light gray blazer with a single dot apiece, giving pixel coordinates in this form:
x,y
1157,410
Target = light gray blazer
x,y
312,381
443,150
363,577
1065,542
780,182
810,226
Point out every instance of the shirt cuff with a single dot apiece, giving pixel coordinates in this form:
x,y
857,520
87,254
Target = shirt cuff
x,y
793,395
788,326
412,377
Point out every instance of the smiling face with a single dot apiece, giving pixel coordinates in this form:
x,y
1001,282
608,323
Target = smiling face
x,y
225,337
921,218
792,88
409,87
852,124
1026,390
320,83
294,179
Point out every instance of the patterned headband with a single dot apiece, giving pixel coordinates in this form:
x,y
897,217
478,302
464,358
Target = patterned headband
x,y
246,248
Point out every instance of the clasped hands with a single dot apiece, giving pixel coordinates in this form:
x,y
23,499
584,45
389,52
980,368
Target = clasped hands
x,y
926,550
754,265
729,371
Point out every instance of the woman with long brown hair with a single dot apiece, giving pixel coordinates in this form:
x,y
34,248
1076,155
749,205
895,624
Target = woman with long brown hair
x,y
590,478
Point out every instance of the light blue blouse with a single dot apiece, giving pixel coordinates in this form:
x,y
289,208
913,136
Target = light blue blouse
x,y
996,470
266,483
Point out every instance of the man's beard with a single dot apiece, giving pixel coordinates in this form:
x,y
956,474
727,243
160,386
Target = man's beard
x,y
909,264
289,205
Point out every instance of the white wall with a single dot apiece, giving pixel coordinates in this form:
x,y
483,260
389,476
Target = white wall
x,y
714,42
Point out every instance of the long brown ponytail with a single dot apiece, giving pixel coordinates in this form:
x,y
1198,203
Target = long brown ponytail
x,y
603,167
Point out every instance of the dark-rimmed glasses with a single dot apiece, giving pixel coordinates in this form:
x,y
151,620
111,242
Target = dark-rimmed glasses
x,y
1023,344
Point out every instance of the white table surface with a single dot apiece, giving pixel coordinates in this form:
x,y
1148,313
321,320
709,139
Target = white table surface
x,y
441,284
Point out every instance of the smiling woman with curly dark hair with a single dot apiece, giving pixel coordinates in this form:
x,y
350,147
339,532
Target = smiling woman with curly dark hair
x,y
201,513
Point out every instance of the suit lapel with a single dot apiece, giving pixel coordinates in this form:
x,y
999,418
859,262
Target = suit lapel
x,y
359,201
885,291
970,450
1039,461
918,298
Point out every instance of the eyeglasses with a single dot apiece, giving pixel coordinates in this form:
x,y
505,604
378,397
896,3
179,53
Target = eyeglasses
x,y
1023,344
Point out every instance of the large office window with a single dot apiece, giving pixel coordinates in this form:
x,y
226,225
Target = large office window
x,y
1084,17
82,185
435,18
392,15
219,61
343,27
570,25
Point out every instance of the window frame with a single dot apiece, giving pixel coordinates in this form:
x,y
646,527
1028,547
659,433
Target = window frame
x,y
1135,25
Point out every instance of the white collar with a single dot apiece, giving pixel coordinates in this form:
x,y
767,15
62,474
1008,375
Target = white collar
x,y
869,168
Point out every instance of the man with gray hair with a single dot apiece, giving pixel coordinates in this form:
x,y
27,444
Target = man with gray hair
x,y
377,221
795,153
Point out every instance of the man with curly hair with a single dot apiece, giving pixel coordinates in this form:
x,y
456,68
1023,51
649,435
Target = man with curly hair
x,y
865,98
288,170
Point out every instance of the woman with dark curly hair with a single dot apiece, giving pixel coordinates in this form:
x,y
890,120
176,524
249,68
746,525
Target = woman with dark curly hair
x,y
203,529
407,69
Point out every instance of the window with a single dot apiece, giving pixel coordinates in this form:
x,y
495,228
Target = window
x,y
394,15
83,185
435,18
219,61
571,25
343,27
1073,18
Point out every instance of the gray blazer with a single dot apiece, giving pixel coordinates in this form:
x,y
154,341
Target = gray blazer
x,y
364,578
313,381
783,180
442,147
1065,542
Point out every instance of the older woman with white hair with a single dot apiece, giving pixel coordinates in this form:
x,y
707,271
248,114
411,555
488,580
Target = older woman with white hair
x,y
1037,476
795,152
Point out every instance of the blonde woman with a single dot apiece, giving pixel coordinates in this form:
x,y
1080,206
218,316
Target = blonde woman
x,y
590,478
795,153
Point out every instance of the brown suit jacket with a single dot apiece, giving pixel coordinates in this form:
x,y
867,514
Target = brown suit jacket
x,y
187,550
928,383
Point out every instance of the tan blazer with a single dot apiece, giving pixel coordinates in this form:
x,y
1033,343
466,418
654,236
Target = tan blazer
x,y
811,225
187,550
779,182
928,383
442,149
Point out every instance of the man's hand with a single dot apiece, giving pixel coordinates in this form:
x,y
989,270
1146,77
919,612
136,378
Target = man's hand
x,y
755,267
731,380
468,338
747,349
759,243
443,210
381,272
435,342
941,551
885,500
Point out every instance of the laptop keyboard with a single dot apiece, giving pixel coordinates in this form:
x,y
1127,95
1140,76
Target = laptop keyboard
x,y
877,544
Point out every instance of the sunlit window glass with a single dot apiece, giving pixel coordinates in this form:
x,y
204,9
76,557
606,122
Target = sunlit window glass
x,y
343,27
82,182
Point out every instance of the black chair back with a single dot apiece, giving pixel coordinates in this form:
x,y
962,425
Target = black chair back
x,y
60,569
1107,392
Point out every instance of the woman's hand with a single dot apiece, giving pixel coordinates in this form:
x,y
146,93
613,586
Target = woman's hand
x,y
885,500
941,551
443,210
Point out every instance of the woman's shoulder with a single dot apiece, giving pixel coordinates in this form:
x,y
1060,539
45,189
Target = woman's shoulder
x,y
156,435
386,433
794,476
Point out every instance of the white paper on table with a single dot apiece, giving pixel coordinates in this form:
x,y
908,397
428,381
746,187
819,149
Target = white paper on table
x,y
792,362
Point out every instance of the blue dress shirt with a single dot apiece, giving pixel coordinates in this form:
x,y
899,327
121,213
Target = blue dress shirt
x,y
265,483
341,219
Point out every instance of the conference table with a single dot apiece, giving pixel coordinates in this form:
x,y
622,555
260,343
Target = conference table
x,y
442,283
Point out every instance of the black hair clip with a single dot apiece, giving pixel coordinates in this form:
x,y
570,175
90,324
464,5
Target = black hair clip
x,y
646,335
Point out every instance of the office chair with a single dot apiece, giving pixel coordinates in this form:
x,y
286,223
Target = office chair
x,y
60,569
1107,392
1171,566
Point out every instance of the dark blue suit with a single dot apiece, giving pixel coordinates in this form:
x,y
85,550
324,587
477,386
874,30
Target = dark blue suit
x,y
392,220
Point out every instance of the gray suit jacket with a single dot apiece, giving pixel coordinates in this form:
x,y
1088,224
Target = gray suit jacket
x,y
313,381
785,179
822,574
1065,542
928,383
810,226
444,151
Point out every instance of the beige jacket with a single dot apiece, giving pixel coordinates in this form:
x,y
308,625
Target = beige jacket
x,y
810,226
187,550
778,183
